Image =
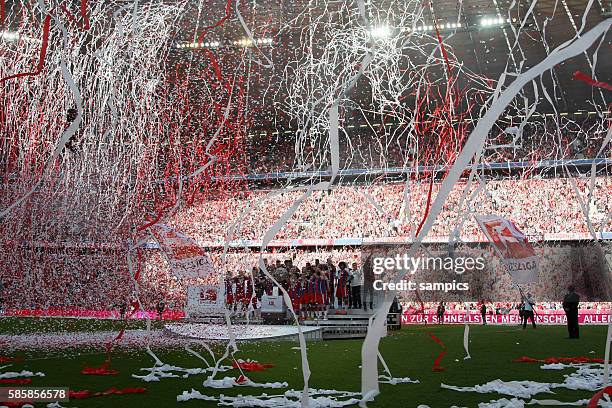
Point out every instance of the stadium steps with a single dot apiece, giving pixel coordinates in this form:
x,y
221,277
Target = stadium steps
x,y
353,325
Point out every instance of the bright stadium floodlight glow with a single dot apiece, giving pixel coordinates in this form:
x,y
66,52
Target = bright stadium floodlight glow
x,y
10,36
381,32
14,36
488,22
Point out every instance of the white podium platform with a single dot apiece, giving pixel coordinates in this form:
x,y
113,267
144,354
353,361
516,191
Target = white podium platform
x,y
257,332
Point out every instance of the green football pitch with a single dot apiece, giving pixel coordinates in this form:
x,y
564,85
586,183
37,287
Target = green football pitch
x,y
335,364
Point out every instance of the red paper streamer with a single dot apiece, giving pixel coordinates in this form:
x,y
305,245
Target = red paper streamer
x,y
442,45
595,399
228,12
581,76
428,203
43,53
8,359
111,391
156,219
555,360
436,365
15,380
84,13
84,26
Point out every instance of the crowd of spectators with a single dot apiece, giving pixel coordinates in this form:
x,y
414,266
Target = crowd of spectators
x,y
99,278
536,206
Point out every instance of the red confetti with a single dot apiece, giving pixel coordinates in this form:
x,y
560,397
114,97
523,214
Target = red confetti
x,y
242,379
102,370
84,13
228,12
85,26
252,366
555,360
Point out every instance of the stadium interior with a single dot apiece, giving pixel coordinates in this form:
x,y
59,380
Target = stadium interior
x,y
200,172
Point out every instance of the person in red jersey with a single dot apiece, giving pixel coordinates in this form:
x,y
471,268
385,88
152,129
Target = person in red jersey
x,y
341,286
295,292
229,291
323,289
304,299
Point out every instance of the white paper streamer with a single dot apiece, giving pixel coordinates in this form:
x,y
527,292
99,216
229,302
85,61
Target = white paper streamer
x,y
68,133
474,143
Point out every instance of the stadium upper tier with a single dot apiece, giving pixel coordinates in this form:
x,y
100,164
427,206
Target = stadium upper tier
x,y
393,146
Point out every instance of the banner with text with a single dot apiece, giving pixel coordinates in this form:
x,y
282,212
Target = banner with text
x,y
186,258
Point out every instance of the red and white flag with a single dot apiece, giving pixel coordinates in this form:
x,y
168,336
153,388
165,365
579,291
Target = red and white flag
x,y
186,258
512,246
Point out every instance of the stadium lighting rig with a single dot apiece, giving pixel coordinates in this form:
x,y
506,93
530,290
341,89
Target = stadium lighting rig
x,y
381,32
14,36
485,23
431,28
496,21
247,42
208,44
243,42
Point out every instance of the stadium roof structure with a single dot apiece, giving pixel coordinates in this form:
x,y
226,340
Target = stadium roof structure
x,y
487,37
481,34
